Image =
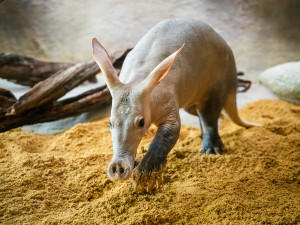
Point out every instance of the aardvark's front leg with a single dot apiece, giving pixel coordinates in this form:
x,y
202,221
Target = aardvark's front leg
x,y
148,174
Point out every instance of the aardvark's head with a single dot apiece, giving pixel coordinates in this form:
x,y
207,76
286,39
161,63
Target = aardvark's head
x,y
130,113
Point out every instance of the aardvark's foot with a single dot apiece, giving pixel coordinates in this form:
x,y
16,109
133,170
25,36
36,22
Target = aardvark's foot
x,y
208,147
148,175
147,182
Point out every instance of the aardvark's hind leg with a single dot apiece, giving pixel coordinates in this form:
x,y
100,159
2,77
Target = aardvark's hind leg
x,y
208,116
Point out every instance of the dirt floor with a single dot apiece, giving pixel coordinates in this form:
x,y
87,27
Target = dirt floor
x,y
61,179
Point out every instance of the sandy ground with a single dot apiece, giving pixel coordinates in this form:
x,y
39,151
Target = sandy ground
x,y
61,179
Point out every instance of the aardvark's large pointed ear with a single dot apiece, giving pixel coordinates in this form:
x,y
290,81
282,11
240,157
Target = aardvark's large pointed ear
x,y
159,73
104,62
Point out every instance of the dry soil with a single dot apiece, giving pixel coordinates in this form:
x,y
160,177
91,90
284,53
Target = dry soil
x,y
61,179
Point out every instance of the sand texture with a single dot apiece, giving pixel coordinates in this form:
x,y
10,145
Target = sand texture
x,y
61,179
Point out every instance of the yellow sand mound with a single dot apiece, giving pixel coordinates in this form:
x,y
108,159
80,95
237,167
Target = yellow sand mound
x,y
62,179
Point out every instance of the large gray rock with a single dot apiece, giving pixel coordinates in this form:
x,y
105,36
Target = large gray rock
x,y
283,80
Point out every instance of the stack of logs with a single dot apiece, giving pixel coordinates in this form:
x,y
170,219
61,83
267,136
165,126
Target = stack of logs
x,y
50,81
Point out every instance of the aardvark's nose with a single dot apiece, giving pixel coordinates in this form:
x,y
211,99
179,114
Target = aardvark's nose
x,y
119,170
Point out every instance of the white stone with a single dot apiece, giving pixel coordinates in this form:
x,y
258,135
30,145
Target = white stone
x,y
284,81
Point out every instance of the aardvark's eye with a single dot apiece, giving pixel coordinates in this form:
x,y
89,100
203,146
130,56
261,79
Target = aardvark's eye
x,y
142,123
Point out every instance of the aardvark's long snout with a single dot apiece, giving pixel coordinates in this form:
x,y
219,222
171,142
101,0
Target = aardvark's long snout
x,y
120,168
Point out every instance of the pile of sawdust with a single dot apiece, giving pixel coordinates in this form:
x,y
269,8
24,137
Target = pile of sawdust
x,y
62,179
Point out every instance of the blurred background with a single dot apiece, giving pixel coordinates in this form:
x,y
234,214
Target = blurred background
x,y
261,33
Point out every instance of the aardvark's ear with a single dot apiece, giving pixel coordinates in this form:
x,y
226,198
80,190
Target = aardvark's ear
x,y
159,73
104,62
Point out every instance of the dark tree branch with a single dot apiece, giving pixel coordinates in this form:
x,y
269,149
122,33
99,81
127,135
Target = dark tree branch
x,y
39,104
55,86
86,102
60,83
27,71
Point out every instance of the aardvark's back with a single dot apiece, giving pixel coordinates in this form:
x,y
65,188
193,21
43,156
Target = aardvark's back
x,y
199,67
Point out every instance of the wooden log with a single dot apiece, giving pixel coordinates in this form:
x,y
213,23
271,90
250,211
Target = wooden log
x,y
42,107
86,102
55,86
26,70
60,83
